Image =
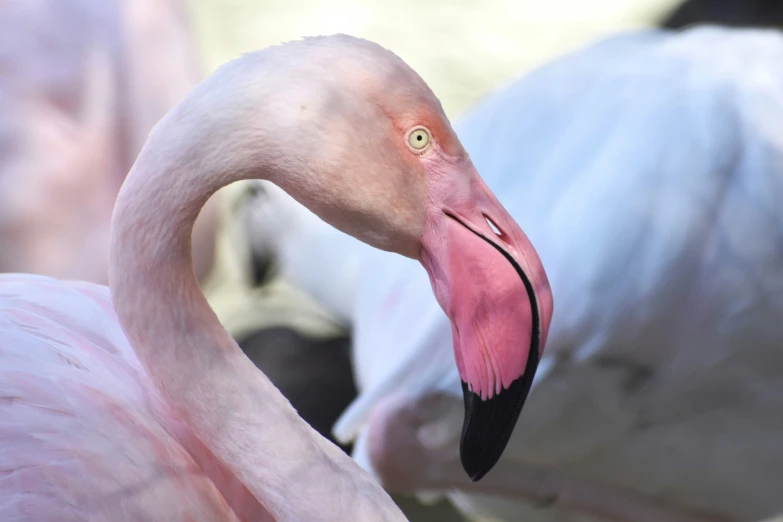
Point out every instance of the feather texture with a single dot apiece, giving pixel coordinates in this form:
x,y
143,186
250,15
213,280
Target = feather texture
x,y
83,433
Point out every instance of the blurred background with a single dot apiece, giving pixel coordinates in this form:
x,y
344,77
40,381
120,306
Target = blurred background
x,y
462,49
82,82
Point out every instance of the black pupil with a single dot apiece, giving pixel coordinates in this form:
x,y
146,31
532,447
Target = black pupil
x,y
419,137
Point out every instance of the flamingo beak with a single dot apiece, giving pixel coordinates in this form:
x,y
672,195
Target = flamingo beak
x,y
491,283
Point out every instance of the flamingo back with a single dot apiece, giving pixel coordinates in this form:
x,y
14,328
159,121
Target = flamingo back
x,y
83,434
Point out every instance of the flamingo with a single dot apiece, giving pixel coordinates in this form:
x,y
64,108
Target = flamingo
x,y
133,403
83,83
647,170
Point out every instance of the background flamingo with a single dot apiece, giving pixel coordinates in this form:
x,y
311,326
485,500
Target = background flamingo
x,y
83,82
664,337
128,422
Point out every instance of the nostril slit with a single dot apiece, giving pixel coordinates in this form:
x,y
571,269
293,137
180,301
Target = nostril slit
x,y
493,226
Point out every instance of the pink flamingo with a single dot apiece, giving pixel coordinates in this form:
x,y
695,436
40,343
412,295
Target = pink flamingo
x,y
82,84
173,422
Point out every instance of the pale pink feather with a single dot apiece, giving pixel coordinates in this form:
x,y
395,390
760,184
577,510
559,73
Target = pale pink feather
x,y
83,82
83,433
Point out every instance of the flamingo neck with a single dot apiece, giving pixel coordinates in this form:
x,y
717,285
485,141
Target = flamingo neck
x,y
200,371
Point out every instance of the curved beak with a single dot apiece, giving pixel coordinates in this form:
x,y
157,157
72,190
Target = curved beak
x,y
489,280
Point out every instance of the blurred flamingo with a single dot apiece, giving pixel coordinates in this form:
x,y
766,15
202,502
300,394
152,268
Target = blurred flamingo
x,y
82,84
174,422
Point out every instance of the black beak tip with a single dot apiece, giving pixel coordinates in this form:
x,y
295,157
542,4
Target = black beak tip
x,y
474,467
489,424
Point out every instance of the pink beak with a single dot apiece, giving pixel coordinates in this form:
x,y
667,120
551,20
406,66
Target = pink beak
x,y
492,285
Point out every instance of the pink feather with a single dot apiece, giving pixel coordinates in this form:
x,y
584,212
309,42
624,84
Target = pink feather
x,y
83,433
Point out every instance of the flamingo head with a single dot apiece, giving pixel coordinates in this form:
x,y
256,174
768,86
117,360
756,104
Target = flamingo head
x,y
394,175
370,142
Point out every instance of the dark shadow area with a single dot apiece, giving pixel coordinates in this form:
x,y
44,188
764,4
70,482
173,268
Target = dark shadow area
x,y
315,375
732,13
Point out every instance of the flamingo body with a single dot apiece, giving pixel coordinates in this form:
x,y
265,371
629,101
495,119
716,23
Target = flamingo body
x,y
83,430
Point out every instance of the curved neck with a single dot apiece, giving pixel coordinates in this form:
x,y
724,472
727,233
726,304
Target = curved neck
x,y
228,403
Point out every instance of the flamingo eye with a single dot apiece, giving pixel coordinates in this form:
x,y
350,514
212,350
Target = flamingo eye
x,y
419,139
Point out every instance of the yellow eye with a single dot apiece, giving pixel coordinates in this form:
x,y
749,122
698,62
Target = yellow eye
x,y
418,139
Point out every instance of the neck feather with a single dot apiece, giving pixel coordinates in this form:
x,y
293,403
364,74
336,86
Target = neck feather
x,y
228,403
